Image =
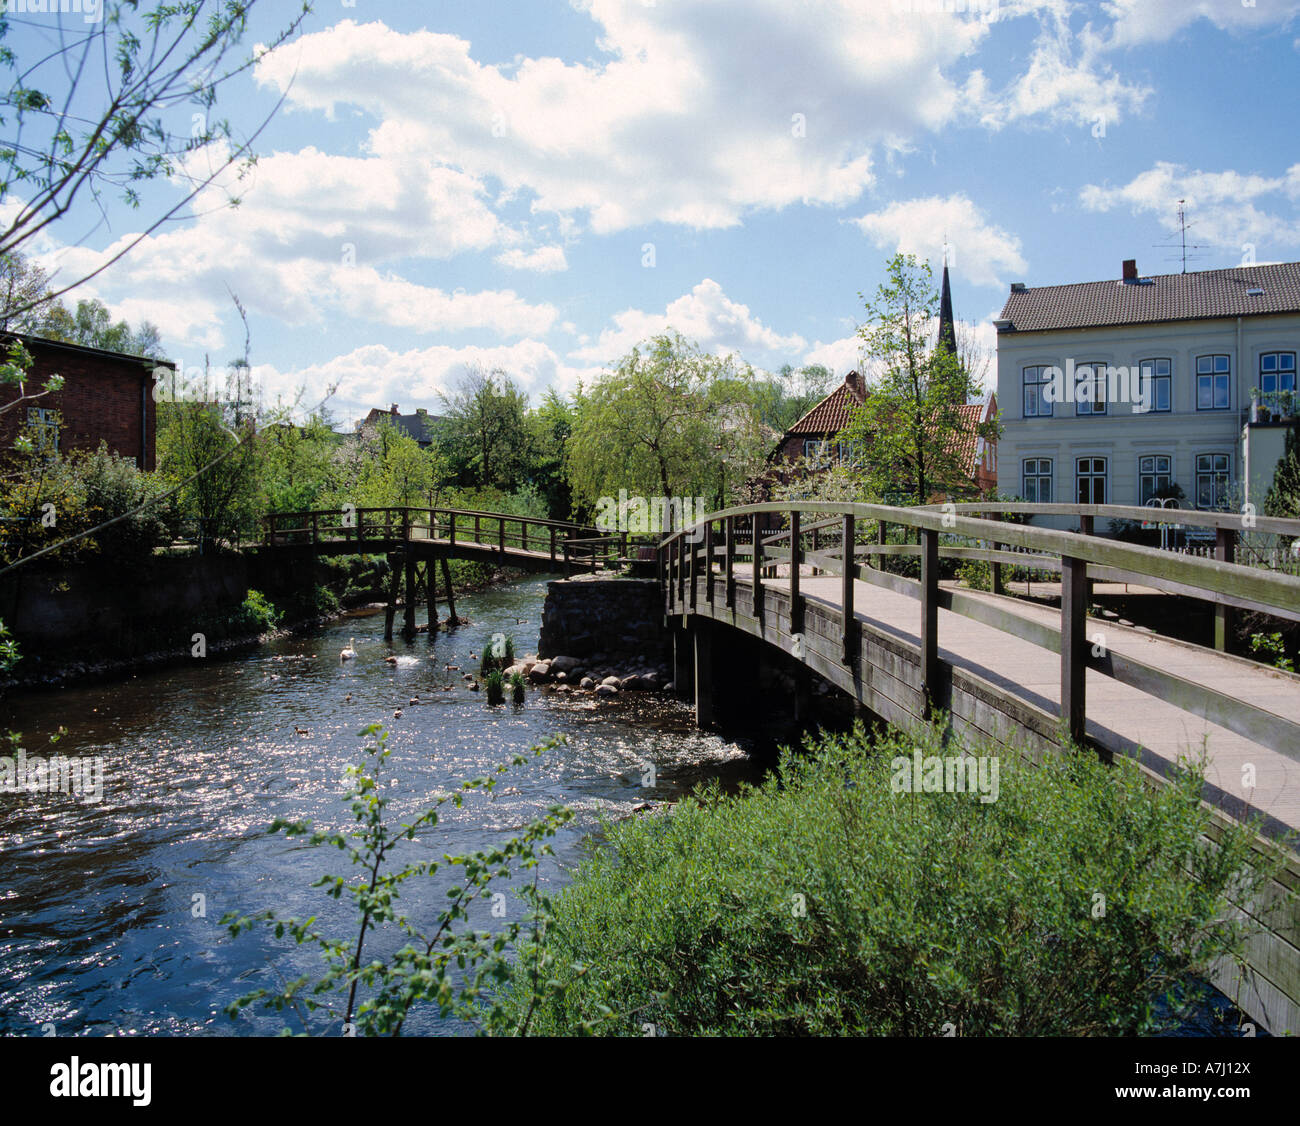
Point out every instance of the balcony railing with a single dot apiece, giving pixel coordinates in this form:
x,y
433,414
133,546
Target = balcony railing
x,y
1273,406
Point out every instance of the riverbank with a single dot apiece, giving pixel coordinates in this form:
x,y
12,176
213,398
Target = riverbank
x,y
69,664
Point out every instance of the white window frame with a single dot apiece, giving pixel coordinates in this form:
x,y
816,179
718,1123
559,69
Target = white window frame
x,y
1038,476
1153,473
1093,476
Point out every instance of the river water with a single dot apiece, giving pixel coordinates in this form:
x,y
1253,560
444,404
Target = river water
x,y
110,910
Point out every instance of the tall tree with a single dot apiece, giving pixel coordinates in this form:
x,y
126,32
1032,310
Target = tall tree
x,y
670,421
913,412
485,432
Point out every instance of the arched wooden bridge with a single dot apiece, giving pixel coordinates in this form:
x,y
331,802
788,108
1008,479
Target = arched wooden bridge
x,y
1022,674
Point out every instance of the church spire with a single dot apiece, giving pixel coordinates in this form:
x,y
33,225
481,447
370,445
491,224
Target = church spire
x,y
947,326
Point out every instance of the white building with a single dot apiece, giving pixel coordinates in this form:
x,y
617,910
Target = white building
x,y
1112,391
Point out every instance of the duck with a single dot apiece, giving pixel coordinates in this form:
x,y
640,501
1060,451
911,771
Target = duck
x,y
350,652
390,660
301,731
397,714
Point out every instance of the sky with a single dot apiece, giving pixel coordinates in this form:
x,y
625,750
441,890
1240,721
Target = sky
x,y
539,185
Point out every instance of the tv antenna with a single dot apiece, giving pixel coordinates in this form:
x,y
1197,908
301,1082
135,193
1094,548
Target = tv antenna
x,y
1181,245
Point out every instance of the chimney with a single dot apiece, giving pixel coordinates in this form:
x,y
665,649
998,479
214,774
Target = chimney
x,y
853,381
393,409
1130,269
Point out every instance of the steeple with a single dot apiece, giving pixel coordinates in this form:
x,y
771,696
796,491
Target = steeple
x,y
947,327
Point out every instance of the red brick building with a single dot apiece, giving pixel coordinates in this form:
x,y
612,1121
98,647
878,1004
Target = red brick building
x,y
106,396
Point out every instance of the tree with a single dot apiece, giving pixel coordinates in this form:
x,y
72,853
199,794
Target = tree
x,y
669,420
485,434
552,425
783,399
913,409
297,465
115,104
1283,497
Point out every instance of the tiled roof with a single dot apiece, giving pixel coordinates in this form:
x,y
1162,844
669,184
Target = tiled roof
x,y
1168,297
831,415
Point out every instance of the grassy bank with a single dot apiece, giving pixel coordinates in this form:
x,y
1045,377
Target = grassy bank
x,y
826,901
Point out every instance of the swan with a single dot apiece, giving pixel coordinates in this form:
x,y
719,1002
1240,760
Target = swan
x,y
348,653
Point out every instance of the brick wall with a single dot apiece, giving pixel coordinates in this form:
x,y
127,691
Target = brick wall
x,y
105,397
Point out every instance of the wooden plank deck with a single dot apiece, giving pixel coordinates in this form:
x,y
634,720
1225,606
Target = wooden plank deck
x,y
1118,715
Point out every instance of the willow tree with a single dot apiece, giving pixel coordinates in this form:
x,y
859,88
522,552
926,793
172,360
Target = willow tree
x,y
670,421
906,430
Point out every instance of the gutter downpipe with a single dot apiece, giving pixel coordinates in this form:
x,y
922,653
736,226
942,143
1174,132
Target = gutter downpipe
x,y
1245,445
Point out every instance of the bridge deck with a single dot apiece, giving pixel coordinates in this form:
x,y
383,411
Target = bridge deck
x,y
1117,713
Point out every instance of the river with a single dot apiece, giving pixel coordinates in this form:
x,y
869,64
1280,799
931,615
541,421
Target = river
x,y
110,910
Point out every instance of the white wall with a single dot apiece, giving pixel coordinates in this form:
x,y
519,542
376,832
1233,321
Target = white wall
x,y
1121,435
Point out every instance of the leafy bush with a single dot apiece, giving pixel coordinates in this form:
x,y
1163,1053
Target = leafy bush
x,y
260,613
496,688
822,902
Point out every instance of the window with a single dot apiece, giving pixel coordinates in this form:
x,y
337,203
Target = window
x,y
1037,380
44,422
1277,371
1037,476
1090,480
1090,389
1157,384
1212,473
1154,473
819,453
1212,373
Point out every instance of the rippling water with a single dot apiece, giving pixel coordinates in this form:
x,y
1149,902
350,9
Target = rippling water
x,y
98,926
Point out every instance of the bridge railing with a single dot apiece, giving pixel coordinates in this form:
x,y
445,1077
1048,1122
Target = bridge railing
x,y
707,560
380,529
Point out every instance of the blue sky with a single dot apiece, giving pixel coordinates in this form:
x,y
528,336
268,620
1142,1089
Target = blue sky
x,y
451,184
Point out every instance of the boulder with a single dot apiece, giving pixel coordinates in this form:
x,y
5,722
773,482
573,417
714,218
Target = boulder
x,y
610,682
587,682
606,690
632,683
564,664
540,672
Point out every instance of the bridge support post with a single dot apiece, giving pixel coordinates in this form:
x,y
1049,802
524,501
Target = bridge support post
x,y
729,562
796,599
708,562
394,578
431,599
1086,529
929,618
1225,551
995,568
408,605
451,595
756,591
848,624
1074,654
705,715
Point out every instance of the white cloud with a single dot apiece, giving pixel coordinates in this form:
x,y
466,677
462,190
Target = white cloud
x,y
543,260
696,116
705,316
1154,21
839,356
1222,205
1068,81
977,250
377,376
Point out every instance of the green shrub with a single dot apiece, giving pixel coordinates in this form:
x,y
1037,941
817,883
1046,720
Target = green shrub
x,y
259,612
822,902
496,689
517,690
976,574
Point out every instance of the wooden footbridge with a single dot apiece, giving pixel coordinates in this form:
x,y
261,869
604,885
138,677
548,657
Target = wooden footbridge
x,y
1020,674
417,539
